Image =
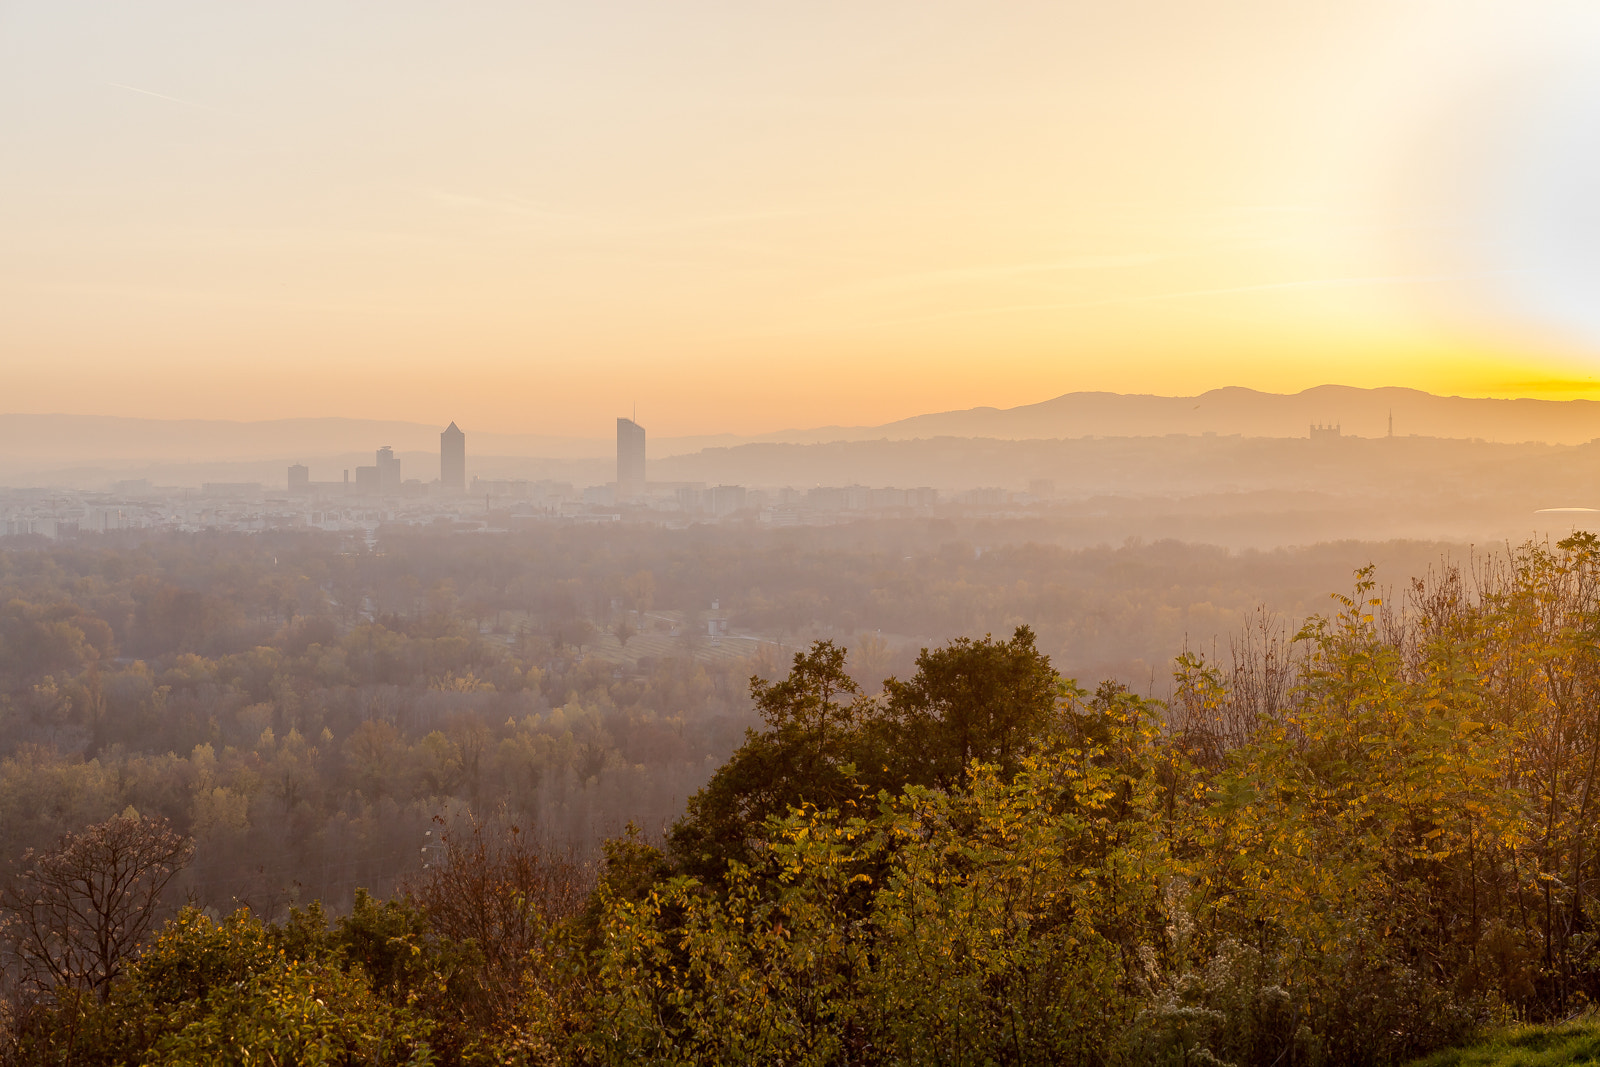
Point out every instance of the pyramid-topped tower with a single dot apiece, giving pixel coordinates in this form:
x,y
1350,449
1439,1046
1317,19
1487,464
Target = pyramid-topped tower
x,y
453,460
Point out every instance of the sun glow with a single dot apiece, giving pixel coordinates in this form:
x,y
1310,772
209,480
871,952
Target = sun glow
x,y
749,220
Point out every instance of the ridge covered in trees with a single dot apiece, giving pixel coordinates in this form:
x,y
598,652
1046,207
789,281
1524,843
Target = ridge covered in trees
x,y
1348,845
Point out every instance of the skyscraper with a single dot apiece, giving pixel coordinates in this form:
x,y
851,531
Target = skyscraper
x,y
453,460
630,460
388,471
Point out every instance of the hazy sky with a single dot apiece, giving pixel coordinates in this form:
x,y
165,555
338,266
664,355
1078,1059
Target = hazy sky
x,y
747,216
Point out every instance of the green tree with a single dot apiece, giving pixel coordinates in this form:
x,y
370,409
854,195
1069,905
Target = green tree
x,y
986,701
999,923
807,754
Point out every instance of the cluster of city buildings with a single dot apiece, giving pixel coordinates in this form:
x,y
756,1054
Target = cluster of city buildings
x,y
631,494
370,496
382,478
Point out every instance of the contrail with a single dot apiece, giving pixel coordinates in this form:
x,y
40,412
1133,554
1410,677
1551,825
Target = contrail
x,y
162,96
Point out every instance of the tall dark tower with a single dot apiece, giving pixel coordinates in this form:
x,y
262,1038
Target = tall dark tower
x,y
630,460
453,460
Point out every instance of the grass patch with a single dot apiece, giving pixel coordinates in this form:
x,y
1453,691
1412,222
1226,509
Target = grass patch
x,y
1575,1042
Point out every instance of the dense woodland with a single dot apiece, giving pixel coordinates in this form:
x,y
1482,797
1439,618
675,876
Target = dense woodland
x,y
304,705
1346,839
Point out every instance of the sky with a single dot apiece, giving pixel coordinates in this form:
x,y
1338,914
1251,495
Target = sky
x,y
744,217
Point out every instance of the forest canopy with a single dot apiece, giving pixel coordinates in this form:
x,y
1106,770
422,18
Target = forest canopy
x,y
304,704
1352,842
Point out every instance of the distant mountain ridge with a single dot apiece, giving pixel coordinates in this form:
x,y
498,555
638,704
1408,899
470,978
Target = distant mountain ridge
x,y
42,441
1235,409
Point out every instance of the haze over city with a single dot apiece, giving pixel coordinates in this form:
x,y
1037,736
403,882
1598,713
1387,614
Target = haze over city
x,y
1249,274
844,534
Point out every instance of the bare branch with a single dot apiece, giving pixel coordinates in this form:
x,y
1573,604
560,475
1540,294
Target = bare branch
x,y
78,911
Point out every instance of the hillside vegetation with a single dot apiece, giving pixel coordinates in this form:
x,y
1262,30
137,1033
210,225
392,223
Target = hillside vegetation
x,y
1355,845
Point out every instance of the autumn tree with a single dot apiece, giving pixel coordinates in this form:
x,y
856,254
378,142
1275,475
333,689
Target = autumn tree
x,y
505,899
77,912
238,991
1001,923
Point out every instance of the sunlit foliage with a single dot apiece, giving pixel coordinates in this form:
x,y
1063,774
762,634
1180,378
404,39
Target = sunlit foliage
x,y
1352,846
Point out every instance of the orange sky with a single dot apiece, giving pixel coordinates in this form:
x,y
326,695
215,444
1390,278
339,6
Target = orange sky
x,y
747,217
